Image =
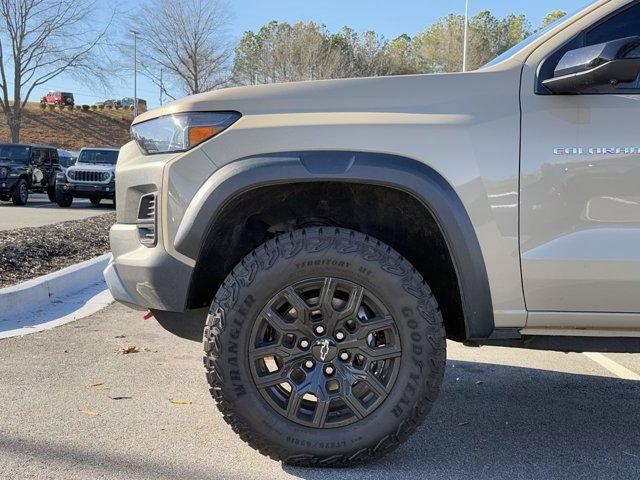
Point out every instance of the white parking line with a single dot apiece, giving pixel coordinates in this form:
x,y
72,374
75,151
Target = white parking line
x,y
614,367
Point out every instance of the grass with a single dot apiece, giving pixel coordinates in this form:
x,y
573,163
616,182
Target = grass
x,y
72,130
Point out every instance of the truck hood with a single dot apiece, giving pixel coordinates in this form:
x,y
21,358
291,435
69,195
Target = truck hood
x,y
438,93
9,164
91,167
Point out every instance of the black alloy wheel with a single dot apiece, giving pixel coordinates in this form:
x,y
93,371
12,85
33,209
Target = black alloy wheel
x,y
325,352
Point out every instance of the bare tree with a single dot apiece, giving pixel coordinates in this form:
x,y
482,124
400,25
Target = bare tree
x,y
186,40
40,40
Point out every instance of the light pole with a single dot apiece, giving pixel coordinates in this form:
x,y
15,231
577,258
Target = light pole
x,y
466,32
135,72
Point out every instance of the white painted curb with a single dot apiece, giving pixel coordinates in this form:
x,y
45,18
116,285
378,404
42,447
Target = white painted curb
x,y
39,293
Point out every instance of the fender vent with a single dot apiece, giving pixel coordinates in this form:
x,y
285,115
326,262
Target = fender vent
x,y
147,231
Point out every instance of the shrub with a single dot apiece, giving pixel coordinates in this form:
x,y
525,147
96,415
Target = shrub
x,y
101,106
94,107
85,108
70,108
118,107
52,106
43,106
109,107
78,107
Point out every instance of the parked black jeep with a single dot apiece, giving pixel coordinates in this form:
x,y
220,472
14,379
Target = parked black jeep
x,y
27,168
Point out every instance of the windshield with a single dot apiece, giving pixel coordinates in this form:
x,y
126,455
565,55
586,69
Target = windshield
x,y
14,153
530,39
109,157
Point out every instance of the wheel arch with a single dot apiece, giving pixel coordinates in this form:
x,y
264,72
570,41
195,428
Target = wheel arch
x,y
233,182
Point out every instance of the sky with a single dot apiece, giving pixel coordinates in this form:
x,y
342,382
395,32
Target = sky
x,y
389,18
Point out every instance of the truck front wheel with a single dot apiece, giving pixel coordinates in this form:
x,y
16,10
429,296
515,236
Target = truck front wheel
x,y
51,193
20,193
324,347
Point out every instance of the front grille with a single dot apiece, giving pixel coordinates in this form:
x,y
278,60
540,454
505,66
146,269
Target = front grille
x,y
88,176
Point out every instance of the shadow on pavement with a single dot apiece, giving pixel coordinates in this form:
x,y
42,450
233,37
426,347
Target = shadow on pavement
x,y
491,422
502,422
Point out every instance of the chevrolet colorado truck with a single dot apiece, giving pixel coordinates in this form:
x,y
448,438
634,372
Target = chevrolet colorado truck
x,y
92,177
330,236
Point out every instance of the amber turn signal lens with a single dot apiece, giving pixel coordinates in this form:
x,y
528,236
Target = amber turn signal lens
x,y
199,134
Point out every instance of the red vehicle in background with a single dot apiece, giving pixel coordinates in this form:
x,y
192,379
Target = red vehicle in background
x,y
58,98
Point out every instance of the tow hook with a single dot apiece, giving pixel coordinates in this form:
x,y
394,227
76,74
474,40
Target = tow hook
x,y
147,315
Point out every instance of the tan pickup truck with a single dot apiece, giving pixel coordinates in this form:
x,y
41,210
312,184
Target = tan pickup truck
x,y
334,234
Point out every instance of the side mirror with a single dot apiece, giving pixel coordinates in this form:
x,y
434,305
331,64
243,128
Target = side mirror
x,y
595,69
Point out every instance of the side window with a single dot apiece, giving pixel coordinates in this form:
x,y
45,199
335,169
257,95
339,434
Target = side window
x,y
36,156
624,24
46,157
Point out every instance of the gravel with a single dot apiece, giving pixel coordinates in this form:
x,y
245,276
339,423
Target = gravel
x,y
26,253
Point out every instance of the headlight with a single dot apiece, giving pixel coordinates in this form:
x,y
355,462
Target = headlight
x,y
3,171
181,131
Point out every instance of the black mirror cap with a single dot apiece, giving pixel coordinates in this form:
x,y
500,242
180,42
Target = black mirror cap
x,y
590,69
586,58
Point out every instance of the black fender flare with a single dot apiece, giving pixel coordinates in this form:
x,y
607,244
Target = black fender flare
x,y
402,173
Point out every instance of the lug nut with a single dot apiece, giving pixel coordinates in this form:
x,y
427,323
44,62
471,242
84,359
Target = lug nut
x,y
340,335
329,370
304,344
319,329
308,364
344,356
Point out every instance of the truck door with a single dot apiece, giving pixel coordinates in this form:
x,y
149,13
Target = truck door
x,y
580,185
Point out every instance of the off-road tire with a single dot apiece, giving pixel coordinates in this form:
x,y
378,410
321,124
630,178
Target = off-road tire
x,y
63,200
351,256
95,200
51,193
20,193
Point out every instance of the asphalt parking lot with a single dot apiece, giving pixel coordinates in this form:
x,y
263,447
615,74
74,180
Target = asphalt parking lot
x,y
503,413
39,211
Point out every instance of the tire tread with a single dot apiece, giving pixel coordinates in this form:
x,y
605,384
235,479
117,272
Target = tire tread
x,y
287,246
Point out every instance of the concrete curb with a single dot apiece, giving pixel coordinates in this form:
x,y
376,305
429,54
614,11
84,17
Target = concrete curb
x,y
39,293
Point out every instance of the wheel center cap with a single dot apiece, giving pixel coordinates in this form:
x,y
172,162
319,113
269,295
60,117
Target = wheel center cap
x,y
324,350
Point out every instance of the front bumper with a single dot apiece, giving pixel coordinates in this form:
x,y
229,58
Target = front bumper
x,y
152,276
143,277
87,190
